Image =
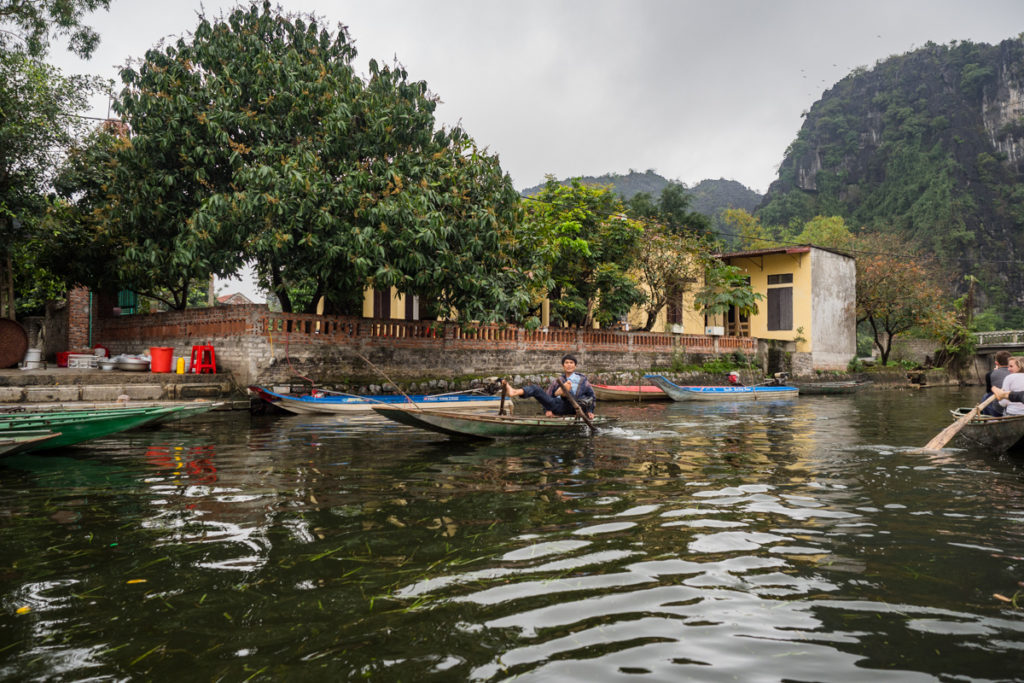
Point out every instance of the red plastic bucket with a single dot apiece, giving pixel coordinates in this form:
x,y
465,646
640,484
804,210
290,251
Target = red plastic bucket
x,y
62,358
160,358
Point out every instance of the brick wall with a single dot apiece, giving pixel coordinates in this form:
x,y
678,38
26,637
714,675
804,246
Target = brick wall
x,y
79,311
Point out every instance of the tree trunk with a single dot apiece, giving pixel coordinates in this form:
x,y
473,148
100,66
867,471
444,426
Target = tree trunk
x,y
8,281
279,290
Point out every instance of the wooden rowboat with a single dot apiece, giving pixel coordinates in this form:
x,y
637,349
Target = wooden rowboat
x,y
482,426
332,404
723,393
22,441
829,388
637,392
11,409
992,434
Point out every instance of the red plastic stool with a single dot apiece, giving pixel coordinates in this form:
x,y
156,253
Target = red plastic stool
x,y
203,360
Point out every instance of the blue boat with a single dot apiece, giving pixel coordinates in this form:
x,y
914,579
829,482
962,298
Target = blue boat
x,y
722,393
326,403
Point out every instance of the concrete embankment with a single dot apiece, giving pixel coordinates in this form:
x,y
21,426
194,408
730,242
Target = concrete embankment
x,y
64,385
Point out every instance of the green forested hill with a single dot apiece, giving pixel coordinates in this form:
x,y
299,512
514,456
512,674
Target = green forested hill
x,y
930,145
625,185
711,196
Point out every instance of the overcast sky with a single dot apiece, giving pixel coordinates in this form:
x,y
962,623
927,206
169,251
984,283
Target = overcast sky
x,y
692,90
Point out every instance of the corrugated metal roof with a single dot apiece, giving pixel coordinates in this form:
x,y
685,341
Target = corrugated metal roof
x,y
791,249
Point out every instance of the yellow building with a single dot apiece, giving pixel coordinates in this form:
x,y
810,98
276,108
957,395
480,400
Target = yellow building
x,y
808,305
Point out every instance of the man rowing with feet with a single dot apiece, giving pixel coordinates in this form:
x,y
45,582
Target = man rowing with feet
x,y
553,399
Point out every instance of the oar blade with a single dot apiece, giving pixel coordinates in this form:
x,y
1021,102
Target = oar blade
x,y
944,437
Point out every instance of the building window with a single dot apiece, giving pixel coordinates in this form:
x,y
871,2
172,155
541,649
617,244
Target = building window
x,y
784,279
382,304
674,307
780,308
128,302
412,307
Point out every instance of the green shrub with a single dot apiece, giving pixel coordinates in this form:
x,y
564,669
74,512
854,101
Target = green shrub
x,y
718,365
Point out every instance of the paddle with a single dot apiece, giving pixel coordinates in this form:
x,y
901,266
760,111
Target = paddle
x,y
567,390
504,393
943,437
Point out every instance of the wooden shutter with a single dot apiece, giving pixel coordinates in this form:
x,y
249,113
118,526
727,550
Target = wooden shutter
x,y
780,308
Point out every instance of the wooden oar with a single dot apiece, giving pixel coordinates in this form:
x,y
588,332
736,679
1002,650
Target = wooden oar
x,y
943,437
504,393
567,390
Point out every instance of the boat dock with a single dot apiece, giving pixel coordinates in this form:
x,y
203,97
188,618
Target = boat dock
x,y
86,386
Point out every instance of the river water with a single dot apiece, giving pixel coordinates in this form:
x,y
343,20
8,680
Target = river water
x,y
803,540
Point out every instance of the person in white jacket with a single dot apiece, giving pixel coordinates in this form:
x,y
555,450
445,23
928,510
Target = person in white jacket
x,y
1013,382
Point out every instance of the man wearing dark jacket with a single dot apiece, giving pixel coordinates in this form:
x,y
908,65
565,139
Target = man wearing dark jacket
x,y
553,399
994,378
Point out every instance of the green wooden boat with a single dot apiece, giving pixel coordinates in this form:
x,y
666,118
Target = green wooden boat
x,y
177,411
483,426
67,415
22,441
79,428
180,412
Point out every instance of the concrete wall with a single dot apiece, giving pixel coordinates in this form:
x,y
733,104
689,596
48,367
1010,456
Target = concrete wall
x,y
833,331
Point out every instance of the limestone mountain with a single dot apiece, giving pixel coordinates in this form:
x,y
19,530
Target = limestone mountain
x,y
930,145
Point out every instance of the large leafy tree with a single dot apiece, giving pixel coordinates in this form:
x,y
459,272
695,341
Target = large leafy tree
x,y
899,288
726,287
589,247
256,140
671,209
746,230
826,231
28,25
38,107
669,263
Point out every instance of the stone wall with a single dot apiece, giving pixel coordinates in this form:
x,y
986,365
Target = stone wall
x,y
259,346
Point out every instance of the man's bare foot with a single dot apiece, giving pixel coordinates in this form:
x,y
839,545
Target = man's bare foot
x,y
511,390
548,413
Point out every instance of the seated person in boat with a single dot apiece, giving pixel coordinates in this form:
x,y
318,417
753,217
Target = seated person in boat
x,y
1014,383
994,379
734,379
554,400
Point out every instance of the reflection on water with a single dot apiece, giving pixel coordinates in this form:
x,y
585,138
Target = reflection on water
x,y
796,540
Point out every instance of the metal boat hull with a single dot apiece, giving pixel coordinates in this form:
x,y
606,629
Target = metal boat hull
x,y
639,392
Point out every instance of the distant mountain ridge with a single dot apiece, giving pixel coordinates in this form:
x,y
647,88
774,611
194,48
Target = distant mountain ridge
x,y
626,185
710,197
